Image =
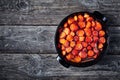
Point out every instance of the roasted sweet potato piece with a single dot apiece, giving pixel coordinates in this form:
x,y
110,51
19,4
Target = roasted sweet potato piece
x,y
72,33
69,56
76,38
86,15
75,18
81,38
75,52
80,32
77,59
95,33
98,26
62,41
72,43
88,39
89,19
66,43
68,49
84,44
73,27
66,31
62,47
88,24
100,45
102,40
90,53
96,50
87,32
78,46
83,54
95,38
80,18
93,44
101,33
63,53
81,24
62,35
70,20
69,38
89,47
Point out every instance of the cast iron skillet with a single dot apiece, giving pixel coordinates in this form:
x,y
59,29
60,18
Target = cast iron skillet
x,y
97,16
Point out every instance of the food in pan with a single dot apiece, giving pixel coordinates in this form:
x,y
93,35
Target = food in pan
x,y
81,38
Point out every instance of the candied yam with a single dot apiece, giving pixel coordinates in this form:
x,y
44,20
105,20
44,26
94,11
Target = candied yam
x,y
65,25
68,49
66,43
75,18
63,47
62,41
81,38
86,15
72,44
80,18
63,53
95,38
78,46
84,44
80,32
87,32
89,19
72,33
93,44
96,50
69,56
101,33
95,33
88,39
90,53
73,27
62,35
69,38
76,38
74,52
66,31
100,45
89,47
102,40
98,26
93,24
70,20
83,54
81,24
77,59
88,24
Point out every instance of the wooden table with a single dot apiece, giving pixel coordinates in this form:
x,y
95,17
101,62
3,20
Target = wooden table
x,y
27,29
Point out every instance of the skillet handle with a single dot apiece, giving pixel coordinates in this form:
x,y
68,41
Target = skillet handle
x,y
62,62
100,16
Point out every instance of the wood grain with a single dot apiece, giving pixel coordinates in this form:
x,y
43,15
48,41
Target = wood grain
x,y
40,39
46,65
51,12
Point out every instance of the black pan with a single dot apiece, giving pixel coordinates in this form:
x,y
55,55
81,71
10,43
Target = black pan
x,y
97,16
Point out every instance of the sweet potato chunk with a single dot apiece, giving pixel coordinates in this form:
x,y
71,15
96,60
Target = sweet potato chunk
x,y
98,26
83,54
80,18
88,24
69,38
72,43
78,46
70,20
90,53
80,32
77,59
102,40
75,18
73,27
66,31
68,49
62,35
74,52
101,33
81,24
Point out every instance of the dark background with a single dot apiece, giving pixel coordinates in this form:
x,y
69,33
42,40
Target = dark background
x,y
27,29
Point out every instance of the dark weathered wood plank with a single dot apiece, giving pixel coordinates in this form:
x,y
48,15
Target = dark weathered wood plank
x,y
46,65
40,39
51,12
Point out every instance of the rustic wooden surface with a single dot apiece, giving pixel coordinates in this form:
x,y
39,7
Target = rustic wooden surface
x,y
27,29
